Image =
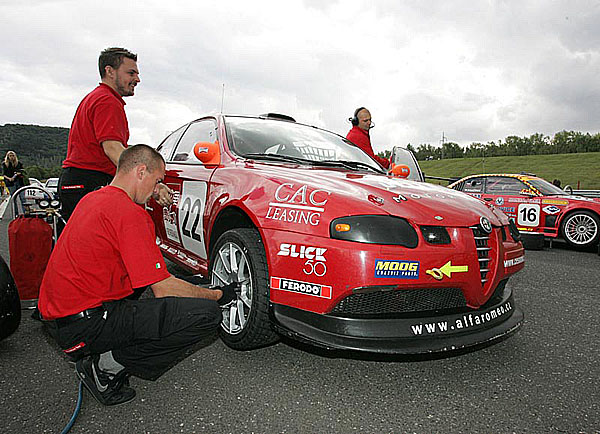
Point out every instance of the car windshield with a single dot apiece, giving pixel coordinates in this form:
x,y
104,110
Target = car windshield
x,y
546,188
287,141
52,182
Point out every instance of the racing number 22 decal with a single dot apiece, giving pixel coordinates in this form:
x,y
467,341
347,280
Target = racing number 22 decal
x,y
191,210
528,214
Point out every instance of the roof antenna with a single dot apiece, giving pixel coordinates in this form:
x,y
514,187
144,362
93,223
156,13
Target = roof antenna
x,y
222,97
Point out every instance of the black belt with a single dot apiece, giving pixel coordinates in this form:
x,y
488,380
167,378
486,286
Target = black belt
x,y
88,313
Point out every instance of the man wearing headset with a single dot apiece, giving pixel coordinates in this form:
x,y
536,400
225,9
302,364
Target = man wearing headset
x,y
359,134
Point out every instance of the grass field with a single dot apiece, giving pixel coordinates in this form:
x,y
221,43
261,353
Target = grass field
x,y
581,171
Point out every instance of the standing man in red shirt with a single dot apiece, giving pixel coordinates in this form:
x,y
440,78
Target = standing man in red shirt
x,y
359,134
99,131
87,298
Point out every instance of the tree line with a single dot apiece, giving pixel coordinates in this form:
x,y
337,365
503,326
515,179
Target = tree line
x,y
563,142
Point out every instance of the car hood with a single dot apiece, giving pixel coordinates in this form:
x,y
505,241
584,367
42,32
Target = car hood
x,y
354,193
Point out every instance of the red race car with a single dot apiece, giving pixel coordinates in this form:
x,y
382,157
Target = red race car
x,y
329,249
538,207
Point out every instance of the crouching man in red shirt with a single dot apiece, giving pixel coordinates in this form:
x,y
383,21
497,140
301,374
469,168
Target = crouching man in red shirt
x,y
87,297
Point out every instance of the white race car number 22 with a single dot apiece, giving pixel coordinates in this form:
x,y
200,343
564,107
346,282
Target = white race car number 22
x,y
190,210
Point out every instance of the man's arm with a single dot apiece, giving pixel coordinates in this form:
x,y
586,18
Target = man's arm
x,y
113,150
174,287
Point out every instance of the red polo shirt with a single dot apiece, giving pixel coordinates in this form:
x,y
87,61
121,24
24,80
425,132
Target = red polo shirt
x,y
99,117
107,249
361,138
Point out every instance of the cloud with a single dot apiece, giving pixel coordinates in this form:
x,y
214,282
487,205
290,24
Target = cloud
x,y
477,71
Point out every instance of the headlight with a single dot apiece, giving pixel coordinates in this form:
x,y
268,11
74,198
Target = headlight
x,y
55,204
435,234
374,229
44,203
514,232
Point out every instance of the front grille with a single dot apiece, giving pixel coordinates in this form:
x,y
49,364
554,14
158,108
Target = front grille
x,y
482,244
403,301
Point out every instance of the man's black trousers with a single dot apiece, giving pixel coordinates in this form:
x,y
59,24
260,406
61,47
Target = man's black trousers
x,y
74,183
146,336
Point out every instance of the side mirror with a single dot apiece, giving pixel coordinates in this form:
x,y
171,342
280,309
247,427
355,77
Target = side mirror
x,y
208,153
400,171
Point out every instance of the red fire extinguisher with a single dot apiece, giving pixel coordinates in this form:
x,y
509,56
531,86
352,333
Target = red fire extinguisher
x,y
29,244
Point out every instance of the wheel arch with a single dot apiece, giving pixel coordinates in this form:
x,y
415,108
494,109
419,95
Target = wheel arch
x,y
231,217
572,211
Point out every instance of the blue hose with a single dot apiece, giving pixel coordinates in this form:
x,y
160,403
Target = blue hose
x,y
76,412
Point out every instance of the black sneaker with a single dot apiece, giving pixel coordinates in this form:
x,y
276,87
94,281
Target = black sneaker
x,y
107,389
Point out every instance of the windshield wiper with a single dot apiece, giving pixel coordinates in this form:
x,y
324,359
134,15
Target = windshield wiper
x,y
349,164
277,157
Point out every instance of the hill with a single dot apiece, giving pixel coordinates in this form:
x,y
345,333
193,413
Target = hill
x,y
581,171
34,144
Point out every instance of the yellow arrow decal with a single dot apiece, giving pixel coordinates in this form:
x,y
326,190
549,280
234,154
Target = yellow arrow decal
x,y
448,269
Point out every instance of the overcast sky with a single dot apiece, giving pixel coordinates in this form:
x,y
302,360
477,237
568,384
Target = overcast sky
x,y
476,70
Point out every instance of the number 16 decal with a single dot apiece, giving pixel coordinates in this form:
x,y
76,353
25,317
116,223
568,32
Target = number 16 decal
x,y
528,214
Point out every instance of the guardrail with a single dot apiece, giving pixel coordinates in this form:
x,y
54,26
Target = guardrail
x,y
587,193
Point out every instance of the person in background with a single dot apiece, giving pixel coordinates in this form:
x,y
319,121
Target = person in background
x,y
12,170
87,297
359,134
100,131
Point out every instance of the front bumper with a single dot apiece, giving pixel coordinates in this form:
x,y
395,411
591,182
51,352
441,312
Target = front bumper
x,y
430,332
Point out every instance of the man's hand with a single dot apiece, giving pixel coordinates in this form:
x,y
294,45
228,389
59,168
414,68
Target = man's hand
x,y
229,294
163,195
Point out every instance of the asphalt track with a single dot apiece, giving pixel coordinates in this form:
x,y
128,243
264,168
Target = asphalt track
x,y
544,379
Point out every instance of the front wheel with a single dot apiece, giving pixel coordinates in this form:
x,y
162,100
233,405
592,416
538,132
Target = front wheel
x,y
239,256
581,229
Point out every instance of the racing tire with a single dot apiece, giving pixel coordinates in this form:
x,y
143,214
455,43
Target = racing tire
x,y
581,229
239,255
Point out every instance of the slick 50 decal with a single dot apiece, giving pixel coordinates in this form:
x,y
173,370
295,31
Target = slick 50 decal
x,y
315,257
298,205
190,211
306,288
396,269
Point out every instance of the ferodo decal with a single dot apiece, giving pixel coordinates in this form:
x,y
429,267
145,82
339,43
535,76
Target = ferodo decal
x,y
555,202
315,257
528,214
515,261
396,269
298,205
306,288
446,270
551,209
190,211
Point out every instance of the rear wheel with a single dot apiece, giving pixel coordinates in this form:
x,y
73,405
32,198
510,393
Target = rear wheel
x,y
239,256
581,228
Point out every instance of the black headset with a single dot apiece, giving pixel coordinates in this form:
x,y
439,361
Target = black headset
x,y
354,119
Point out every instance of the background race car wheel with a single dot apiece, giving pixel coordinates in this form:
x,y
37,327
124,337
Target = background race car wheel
x,y
239,256
581,229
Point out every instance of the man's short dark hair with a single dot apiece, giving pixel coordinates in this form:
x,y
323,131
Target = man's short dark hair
x,y
113,57
139,154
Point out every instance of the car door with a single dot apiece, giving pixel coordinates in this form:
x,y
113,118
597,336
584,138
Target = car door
x,y
183,233
515,199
